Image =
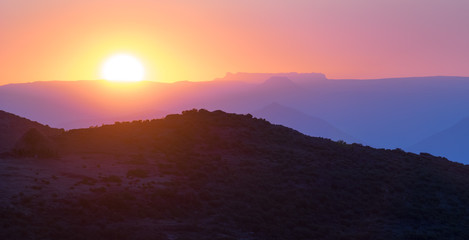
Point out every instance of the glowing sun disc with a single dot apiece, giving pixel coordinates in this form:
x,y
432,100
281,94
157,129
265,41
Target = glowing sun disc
x,y
122,68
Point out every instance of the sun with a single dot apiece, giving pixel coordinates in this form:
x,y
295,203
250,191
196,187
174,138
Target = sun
x,y
122,68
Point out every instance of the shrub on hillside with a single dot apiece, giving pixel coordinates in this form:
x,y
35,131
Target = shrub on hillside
x,y
34,144
140,173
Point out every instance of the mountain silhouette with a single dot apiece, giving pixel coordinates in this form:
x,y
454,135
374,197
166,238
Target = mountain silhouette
x,y
383,113
452,143
214,175
276,84
299,78
313,126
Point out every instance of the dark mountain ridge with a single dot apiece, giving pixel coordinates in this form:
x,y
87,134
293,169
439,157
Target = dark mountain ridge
x,y
213,175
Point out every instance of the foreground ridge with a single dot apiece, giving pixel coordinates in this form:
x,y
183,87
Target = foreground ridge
x,y
214,175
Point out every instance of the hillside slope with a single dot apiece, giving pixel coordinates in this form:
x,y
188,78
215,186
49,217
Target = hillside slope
x,y
13,127
213,175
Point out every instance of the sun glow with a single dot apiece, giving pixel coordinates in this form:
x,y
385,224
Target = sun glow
x,y
122,68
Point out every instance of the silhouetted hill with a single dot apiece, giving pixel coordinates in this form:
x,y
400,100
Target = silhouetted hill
x,y
213,175
13,127
452,143
313,126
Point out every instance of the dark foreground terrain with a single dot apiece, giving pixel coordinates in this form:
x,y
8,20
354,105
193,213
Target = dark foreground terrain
x,y
213,175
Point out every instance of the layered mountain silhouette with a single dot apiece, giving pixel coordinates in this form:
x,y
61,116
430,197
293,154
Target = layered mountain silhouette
x,y
313,126
383,113
214,175
452,143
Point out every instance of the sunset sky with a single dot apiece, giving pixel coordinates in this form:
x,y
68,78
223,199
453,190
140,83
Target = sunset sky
x,y
203,39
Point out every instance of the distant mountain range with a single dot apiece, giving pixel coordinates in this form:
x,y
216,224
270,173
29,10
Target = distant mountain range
x,y
302,122
214,175
452,143
384,113
298,78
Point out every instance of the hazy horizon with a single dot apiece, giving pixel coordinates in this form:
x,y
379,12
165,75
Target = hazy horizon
x,y
222,78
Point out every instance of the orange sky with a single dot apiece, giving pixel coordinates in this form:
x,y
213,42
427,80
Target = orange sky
x,y
201,40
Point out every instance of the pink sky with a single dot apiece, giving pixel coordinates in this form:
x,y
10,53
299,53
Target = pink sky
x,y
204,39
